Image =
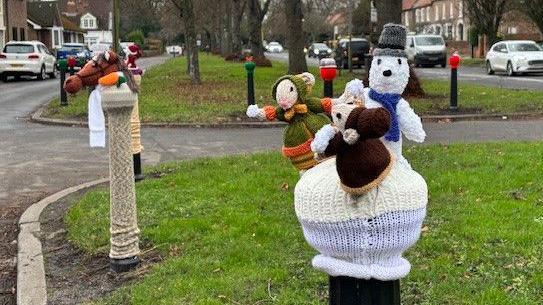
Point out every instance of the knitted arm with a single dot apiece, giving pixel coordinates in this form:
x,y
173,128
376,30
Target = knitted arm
x,y
410,123
373,123
319,105
334,145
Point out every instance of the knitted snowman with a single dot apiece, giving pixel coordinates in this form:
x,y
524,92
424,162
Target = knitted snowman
x,y
305,115
366,238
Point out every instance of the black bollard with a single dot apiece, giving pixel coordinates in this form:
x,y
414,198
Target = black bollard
x,y
351,291
63,95
329,88
250,67
454,90
454,62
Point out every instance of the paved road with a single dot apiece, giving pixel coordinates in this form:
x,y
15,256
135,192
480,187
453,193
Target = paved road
x,y
465,74
37,160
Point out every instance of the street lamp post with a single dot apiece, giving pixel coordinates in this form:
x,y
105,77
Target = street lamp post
x,y
116,25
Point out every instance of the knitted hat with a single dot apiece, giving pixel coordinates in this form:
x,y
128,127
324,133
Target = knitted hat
x,y
298,82
392,41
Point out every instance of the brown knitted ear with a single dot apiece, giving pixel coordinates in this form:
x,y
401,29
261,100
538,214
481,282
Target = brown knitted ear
x,y
352,120
373,123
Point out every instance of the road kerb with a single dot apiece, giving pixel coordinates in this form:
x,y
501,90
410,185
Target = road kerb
x,y
31,284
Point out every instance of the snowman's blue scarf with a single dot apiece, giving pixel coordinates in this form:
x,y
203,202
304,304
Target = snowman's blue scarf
x,y
389,102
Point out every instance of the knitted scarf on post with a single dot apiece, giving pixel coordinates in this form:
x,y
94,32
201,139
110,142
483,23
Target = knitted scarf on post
x,y
389,101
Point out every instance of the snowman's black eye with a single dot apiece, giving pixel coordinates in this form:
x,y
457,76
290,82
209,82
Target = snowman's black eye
x,y
338,116
379,61
291,89
399,61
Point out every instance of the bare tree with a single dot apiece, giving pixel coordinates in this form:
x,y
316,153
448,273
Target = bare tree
x,y
388,11
295,37
186,12
256,16
486,16
534,10
238,10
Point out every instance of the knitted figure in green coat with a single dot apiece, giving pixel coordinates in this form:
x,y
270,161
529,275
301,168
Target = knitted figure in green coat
x,y
305,116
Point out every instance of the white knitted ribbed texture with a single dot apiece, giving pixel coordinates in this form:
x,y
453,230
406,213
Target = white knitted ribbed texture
x,y
364,239
319,197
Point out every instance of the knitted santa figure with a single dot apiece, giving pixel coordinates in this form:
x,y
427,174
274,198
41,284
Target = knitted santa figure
x,y
133,53
305,115
366,238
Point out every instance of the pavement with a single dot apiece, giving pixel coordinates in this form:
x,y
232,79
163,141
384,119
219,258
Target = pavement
x,y
39,160
465,74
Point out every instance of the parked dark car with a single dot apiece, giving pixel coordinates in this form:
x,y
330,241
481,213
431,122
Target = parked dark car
x,y
360,47
80,51
319,50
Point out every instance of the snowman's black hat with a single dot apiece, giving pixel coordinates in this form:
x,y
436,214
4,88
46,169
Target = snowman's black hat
x,y
392,41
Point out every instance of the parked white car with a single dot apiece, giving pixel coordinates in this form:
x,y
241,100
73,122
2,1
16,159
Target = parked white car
x,y
514,57
32,58
275,47
427,50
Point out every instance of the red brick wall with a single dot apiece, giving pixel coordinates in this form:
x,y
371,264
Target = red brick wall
x,y
16,17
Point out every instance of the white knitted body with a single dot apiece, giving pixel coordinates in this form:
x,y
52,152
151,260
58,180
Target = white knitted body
x,y
366,239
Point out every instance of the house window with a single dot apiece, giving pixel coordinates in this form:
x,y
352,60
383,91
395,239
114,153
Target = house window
x,y
407,18
428,14
417,16
56,38
15,34
436,13
86,23
451,10
422,11
461,9
512,30
22,34
443,10
449,31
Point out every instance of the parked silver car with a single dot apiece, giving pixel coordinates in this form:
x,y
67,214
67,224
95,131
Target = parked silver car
x,y
515,57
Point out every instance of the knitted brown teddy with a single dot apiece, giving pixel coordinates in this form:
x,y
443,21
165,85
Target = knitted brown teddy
x,y
362,160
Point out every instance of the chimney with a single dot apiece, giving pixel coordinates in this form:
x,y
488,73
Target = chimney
x,y
71,8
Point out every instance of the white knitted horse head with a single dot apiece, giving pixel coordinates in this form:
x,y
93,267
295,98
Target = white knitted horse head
x,y
389,74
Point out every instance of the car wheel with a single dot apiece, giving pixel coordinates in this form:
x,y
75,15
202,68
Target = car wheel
x,y
42,75
4,77
54,74
510,71
443,64
489,70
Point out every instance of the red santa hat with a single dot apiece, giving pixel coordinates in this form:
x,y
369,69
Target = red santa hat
x,y
134,50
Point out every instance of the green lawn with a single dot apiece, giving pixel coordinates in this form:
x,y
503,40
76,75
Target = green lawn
x,y
232,225
168,95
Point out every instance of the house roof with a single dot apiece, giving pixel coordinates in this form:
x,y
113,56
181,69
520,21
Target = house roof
x,y
44,13
98,8
412,4
70,25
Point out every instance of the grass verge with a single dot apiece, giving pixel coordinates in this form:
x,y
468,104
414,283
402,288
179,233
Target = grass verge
x,y
230,236
167,94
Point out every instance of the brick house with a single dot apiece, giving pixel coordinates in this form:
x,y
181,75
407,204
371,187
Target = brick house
x,y
440,17
516,25
95,17
47,25
2,24
14,20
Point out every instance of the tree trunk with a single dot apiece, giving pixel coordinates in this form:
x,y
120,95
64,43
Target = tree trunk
x,y
256,15
226,48
388,11
238,9
192,48
295,37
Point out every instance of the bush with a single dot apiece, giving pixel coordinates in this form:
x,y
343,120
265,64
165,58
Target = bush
x,y
136,37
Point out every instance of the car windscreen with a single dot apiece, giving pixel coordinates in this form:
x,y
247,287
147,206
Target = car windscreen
x,y
72,48
19,48
429,41
524,47
357,45
320,46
